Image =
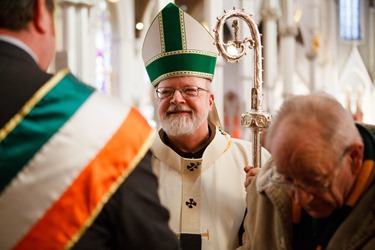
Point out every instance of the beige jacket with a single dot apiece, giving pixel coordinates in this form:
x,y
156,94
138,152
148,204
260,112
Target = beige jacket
x,y
272,228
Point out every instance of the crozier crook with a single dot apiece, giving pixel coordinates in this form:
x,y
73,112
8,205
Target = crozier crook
x,y
256,119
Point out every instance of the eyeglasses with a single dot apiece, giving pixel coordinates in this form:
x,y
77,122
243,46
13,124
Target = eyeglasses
x,y
186,92
312,186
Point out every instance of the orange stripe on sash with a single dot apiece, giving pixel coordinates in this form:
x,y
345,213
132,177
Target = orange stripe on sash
x,y
77,208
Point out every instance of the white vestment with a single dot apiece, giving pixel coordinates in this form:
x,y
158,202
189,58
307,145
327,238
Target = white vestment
x,y
205,196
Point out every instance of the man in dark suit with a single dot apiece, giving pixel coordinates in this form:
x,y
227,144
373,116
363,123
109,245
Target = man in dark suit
x,y
74,164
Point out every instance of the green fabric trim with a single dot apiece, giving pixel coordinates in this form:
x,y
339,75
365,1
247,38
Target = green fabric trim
x,y
181,62
53,110
368,138
173,31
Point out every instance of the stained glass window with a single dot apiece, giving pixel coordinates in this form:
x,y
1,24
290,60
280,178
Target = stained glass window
x,y
103,41
350,25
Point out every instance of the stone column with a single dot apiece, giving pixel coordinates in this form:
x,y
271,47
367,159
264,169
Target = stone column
x,y
86,44
270,14
371,34
212,10
75,45
69,20
314,43
129,79
288,31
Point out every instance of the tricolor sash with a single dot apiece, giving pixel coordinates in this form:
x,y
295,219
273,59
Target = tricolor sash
x,y
61,158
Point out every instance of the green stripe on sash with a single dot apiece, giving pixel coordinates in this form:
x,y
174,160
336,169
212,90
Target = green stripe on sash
x,y
39,125
172,28
181,62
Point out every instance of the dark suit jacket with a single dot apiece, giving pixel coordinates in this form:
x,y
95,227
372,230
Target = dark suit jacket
x,y
133,218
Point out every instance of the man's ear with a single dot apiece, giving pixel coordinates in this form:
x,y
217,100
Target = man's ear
x,y
41,16
212,99
356,155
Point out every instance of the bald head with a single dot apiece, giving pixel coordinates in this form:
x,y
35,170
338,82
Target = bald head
x,y
318,117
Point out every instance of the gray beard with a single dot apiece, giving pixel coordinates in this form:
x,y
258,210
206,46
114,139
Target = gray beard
x,y
176,126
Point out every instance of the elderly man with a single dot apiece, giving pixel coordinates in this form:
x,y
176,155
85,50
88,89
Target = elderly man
x,y
319,190
198,165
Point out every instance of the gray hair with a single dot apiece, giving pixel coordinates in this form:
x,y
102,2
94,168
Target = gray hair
x,y
338,125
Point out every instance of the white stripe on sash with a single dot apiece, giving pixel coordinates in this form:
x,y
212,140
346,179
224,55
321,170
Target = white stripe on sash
x,y
25,200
